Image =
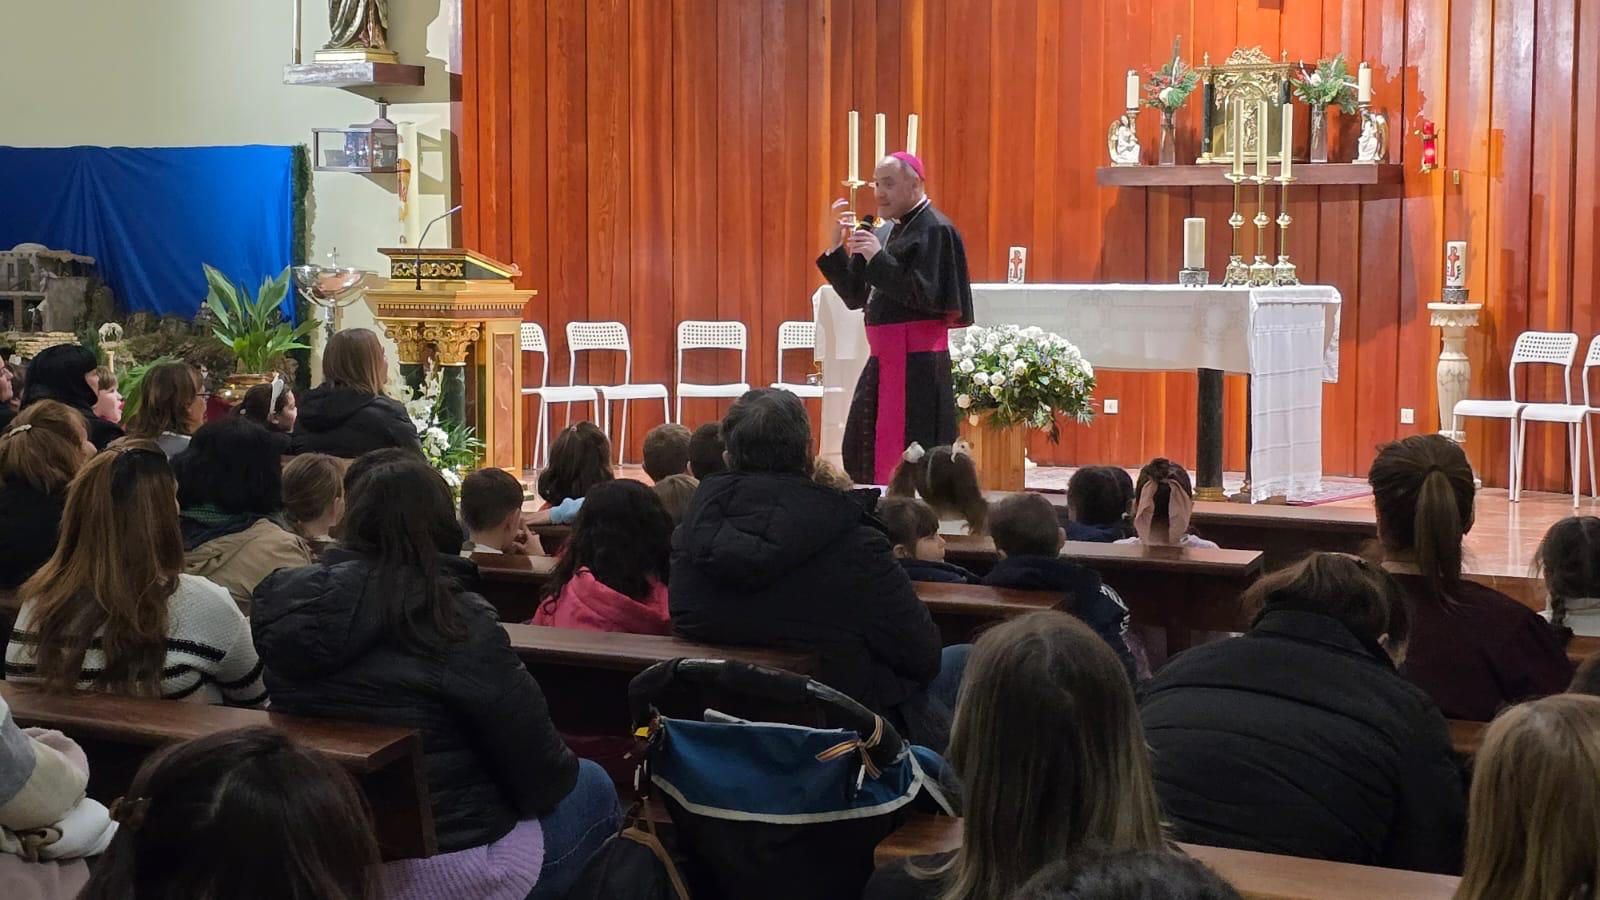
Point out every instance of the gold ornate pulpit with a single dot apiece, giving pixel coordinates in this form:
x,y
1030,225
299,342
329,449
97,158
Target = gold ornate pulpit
x,y
464,312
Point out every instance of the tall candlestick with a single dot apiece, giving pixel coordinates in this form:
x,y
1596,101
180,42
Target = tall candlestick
x,y
855,146
1194,243
1133,89
1238,138
1287,144
1261,138
911,134
1364,84
880,145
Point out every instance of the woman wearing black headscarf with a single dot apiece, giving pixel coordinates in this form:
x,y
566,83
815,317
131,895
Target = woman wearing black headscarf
x,y
66,373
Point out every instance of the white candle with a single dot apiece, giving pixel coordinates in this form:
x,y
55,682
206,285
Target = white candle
x,y
1194,243
880,146
1455,264
1133,89
1238,137
1287,144
1262,132
911,134
1364,84
855,146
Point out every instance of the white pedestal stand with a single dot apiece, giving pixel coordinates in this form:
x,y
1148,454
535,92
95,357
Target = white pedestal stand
x,y
1454,373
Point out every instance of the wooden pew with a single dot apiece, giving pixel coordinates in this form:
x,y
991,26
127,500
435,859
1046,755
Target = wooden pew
x,y
963,610
118,733
1582,647
585,674
512,583
1178,590
1466,737
1259,876
1285,534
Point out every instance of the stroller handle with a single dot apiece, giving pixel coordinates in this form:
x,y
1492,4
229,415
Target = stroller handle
x,y
763,681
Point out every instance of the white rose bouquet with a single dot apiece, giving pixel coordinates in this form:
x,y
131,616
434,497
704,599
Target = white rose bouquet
x,y
452,449
1020,376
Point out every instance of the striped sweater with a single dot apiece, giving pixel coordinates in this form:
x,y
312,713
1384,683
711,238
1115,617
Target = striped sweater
x,y
210,656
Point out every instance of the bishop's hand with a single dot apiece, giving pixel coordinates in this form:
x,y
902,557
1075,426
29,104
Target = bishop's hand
x,y
863,242
836,223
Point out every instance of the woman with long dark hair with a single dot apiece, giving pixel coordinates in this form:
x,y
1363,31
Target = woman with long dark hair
x,y
1473,649
381,630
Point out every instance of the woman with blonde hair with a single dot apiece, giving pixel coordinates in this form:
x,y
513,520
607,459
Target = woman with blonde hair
x,y
39,453
172,406
1051,758
112,610
349,414
1533,828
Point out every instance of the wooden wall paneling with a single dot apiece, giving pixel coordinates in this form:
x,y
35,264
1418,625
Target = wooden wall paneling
x,y
787,249
606,95
650,198
698,199
1586,161
567,175
465,117
1510,191
1550,219
1338,263
529,246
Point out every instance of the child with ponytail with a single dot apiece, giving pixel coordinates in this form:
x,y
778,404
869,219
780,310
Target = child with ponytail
x,y
1163,501
947,479
1569,560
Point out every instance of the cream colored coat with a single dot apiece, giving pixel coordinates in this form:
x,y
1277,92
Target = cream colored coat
x,y
237,562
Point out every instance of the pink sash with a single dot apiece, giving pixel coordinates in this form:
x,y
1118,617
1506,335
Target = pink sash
x,y
890,344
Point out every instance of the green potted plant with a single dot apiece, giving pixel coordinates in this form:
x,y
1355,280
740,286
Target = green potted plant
x,y
253,327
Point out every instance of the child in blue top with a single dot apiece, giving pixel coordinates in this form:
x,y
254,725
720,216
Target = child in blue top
x,y
914,531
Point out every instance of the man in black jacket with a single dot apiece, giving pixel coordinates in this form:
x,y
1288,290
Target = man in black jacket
x,y
765,556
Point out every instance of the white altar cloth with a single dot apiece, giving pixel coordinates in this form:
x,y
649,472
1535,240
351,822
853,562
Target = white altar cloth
x,y
1286,339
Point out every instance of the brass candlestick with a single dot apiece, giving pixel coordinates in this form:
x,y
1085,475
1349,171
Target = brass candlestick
x,y
1261,270
1283,272
1237,272
853,185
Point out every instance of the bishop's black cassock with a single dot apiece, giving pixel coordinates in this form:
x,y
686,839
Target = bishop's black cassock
x,y
914,290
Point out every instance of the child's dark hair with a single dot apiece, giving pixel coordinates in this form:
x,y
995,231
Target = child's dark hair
x,y
232,465
1025,525
370,460
1100,495
908,519
1141,875
1358,594
579,460
705,451
622,535
488,496
1569,560
258,407
244,813
1162,470
947,478
666,451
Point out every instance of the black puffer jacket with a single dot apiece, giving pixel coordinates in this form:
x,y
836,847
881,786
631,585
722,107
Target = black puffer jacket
x,y
778,560
491,753
346,423
60,373
1299,740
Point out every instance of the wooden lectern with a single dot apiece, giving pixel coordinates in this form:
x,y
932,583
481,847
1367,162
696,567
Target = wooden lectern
x,y
463,306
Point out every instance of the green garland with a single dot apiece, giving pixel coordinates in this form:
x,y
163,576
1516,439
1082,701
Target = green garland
x,y
300,251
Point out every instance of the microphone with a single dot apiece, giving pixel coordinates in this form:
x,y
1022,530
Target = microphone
x,y
426,228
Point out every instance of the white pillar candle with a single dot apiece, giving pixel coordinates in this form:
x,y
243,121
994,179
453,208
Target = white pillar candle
x,y
1133,89
1238,137
880,143
1263,131
911,134
1364,84
1287,144
1455,264
855,146
1194,243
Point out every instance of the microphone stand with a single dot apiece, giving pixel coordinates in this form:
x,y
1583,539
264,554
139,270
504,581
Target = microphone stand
x,y
436,220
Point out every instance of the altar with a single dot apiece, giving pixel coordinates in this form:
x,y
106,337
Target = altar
x,y
1285,338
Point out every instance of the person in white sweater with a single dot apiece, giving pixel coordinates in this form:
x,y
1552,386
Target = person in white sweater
x,y
111,609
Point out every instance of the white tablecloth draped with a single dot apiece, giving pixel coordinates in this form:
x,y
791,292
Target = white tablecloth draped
x,y
1286,339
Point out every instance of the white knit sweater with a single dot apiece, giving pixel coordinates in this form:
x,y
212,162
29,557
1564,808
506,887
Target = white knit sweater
x,y
210,656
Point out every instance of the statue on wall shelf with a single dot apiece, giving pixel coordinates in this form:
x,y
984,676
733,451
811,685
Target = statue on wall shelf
x,y
358,24
1122,141
1372,145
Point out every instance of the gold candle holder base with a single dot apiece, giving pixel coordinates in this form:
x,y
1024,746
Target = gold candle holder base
x,y
1210,494
1261,273
1283,273
1237,272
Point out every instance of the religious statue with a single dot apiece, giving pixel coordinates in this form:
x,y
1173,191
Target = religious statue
x,y
358,24
1371,145
1122,141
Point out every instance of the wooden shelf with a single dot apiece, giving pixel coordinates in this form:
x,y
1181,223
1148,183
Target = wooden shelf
x,y
353,74
1207,175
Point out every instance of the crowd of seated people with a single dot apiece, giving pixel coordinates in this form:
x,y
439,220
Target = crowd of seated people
x,y
1319,733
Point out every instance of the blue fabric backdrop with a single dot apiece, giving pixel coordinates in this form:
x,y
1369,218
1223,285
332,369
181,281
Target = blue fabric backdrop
x,y
151,216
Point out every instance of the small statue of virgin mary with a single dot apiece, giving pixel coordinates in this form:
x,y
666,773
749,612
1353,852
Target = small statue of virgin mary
x,y
358,24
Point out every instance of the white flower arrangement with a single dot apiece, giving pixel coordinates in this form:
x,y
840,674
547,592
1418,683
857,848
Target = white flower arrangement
x,y
452,449
1020,376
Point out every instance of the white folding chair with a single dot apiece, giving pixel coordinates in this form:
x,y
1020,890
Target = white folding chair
x,y
613,336
1532,348
796,335
698,335
533,342
1572,415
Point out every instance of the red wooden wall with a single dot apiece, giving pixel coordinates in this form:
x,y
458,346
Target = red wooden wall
x,y
654,161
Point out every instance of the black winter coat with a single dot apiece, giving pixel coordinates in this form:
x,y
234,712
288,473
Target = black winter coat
x,y
935,571
778,560
1298,739
346,423
30,522
1086,596
491,753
